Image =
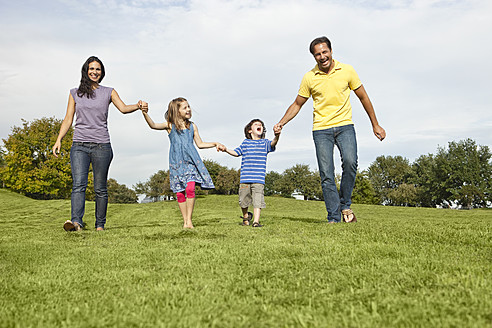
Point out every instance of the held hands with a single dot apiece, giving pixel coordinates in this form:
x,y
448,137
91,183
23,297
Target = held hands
x,y
277,128
143,106
277,132
220,147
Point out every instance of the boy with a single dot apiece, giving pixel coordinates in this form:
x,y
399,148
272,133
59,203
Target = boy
x,y
254,150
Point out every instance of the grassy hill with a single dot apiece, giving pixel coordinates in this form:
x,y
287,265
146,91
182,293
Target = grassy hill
x,y
396,267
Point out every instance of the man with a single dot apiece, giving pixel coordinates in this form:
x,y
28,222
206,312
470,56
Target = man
x,y
330,83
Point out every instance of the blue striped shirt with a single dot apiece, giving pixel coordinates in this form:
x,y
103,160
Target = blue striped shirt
x,y
253,163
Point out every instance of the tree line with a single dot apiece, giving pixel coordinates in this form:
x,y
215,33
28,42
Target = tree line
x,y
27,165
460,174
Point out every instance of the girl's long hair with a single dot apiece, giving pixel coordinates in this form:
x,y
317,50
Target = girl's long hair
x,y
172,114
85,87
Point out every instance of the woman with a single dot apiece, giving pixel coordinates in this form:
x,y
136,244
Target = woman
x,y
91,142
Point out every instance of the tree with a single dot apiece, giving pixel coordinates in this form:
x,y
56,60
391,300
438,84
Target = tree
x,y
313,187
31,168
140,188
299,179
120,193
363,192
404,195
3,165
157,186
270,181
227,181
213,168
387,174
425,177
464,173
469,196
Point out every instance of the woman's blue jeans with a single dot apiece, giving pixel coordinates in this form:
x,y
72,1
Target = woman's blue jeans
x,y
345,140
82,154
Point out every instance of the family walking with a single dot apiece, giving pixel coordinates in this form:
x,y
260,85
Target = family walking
x,y
329,84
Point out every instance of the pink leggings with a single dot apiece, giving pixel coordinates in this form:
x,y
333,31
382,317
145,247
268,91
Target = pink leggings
x,y
190,192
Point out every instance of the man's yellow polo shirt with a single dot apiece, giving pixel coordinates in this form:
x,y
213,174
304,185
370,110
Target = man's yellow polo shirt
x,y
331,94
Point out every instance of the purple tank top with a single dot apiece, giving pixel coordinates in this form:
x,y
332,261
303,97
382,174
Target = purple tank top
x,y
91,123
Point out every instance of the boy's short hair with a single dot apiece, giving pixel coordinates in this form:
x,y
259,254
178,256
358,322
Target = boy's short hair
x,y
248,127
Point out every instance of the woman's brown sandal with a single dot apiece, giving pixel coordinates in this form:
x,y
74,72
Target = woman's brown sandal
x,y
348,216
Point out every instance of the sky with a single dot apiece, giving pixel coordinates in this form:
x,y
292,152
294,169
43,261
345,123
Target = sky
x,y
424,63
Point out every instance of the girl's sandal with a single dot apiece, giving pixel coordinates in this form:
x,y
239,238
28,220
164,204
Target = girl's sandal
x,y
257,225
348,216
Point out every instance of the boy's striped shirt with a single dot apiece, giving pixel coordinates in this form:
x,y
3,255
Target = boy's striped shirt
x,y
253,164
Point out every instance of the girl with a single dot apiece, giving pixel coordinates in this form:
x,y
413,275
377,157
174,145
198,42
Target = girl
x,y
185,165
91,144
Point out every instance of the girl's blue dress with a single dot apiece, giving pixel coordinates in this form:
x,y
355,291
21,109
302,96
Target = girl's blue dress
x,y
185,164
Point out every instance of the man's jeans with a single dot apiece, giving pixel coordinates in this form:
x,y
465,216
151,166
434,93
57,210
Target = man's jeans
x,y
344,138
81,155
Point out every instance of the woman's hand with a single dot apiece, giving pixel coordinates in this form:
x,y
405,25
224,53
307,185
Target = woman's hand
x,y
56,148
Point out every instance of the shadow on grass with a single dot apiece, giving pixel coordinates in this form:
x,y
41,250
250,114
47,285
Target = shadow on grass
x,y
184,234
305,220
213,221
129,227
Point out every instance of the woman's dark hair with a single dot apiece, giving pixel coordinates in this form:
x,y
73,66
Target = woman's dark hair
x,y
248,127
321,39
85,87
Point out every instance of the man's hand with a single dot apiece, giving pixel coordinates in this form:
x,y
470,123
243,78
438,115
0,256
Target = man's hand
x,y
379,132
277,128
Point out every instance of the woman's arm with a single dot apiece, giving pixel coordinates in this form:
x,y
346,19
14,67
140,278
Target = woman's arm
x,y
201,144
122,107
66,124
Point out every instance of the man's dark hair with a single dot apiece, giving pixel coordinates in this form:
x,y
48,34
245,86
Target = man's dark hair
x,y
248,127
321,39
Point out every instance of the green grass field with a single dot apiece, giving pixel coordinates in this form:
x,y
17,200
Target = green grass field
x,y
396,267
